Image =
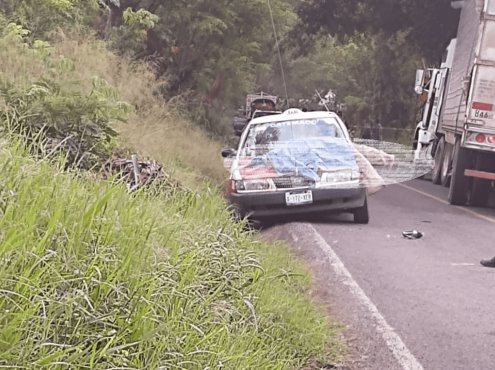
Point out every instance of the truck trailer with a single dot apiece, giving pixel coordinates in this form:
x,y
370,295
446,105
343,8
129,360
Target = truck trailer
x,y
462,141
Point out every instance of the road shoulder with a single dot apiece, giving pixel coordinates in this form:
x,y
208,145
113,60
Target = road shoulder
x,y
366,347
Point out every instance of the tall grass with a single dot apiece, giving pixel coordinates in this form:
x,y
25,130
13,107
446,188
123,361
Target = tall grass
x,y
156,128
94,278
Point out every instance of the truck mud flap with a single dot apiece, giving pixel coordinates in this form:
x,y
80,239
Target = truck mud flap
x,y
481,180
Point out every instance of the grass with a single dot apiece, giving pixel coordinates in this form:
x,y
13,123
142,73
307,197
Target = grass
x,y
156,128
92,277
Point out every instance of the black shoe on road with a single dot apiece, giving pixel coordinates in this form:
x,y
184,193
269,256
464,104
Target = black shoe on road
x,y
488,263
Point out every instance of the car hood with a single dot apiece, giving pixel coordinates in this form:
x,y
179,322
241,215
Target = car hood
x,y
304,158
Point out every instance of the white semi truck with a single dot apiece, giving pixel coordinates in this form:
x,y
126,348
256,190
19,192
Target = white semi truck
x,y
458,126
431,84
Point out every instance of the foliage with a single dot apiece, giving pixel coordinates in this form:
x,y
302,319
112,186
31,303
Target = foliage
x,y
372,75
43,17
79,126
209,51
380,43
16,32
93,278
154,128
142,18
426,24
76,123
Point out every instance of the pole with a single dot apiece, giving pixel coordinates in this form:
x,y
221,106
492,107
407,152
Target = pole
x,y
135,166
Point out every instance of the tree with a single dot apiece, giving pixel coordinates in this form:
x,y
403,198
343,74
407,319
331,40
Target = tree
x,y
427,24
42,17
209,51
371,74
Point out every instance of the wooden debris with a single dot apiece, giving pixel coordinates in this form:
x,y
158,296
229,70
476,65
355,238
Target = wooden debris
x,y
149,172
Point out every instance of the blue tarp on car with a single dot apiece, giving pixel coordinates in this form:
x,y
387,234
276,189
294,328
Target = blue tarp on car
x,y
305,157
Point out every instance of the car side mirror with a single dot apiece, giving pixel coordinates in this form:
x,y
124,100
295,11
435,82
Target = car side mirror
x,y
228,152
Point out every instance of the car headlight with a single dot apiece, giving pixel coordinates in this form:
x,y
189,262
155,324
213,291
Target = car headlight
x,y
340,176
254,185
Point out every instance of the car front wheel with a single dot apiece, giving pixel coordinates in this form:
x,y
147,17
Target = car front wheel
x,y
361,214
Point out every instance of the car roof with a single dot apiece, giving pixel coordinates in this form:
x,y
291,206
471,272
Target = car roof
x,y
293,114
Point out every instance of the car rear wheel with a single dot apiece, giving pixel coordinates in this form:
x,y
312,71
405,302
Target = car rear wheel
x,y
361,214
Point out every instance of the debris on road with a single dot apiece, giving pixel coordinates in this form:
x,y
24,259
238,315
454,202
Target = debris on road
x,y
488,262
148,172
412,234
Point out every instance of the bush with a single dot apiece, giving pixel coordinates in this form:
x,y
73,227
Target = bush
x,y
155,127
54,121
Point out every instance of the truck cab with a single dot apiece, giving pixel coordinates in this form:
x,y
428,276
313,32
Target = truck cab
x,y
431,84
257,105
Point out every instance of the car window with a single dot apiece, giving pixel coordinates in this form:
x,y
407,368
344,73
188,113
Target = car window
x,y
263,137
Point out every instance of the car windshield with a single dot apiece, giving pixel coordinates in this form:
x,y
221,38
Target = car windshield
x,y
264,137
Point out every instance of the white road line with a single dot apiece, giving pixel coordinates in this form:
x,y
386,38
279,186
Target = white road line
x,y
405,358
464,209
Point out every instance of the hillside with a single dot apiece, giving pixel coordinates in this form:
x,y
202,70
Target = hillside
x,y
94,277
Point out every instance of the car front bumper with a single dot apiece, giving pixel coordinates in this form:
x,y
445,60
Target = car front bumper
x,y
270,204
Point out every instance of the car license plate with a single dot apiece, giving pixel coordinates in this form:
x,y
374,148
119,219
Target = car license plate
x,y
295,199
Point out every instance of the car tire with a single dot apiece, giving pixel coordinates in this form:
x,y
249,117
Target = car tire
x,y
361,214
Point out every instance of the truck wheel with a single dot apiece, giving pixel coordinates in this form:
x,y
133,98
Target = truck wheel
x,y
460,184
361,214
437,168
446,165
480,190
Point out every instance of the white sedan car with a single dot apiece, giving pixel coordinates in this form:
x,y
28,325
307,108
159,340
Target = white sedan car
x,y
296,163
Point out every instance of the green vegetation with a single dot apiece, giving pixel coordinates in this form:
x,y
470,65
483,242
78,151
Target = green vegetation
x,y
107,90
93,278
210,53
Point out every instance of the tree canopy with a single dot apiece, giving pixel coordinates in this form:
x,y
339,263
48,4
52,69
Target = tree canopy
x,y
427,24
211,53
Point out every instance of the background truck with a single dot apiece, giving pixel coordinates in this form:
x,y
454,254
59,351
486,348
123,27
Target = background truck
x,y
431,84
463,140
257,105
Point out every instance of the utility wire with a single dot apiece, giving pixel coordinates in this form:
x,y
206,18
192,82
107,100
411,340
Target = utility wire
x,y
279,53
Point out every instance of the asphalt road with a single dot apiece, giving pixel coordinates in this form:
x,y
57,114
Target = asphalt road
x,y
406,304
